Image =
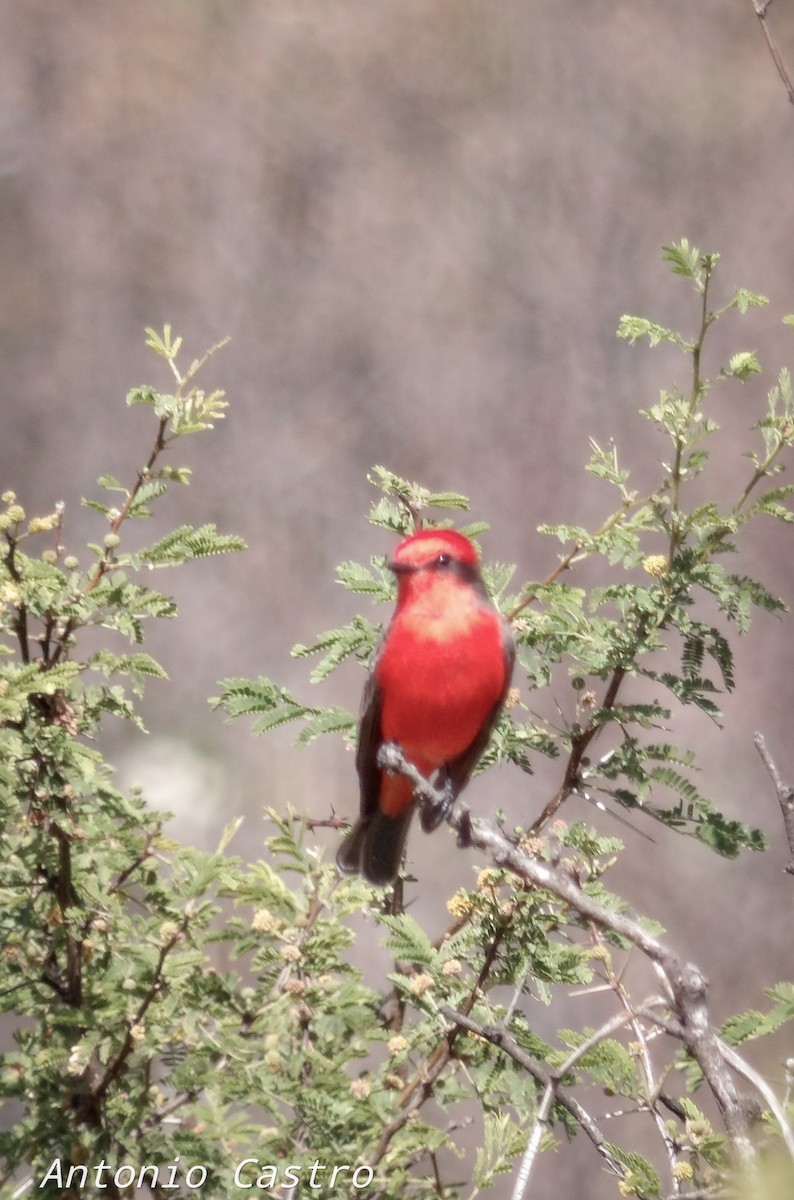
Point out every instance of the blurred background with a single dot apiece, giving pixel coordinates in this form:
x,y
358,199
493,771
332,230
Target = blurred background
x,y
420,224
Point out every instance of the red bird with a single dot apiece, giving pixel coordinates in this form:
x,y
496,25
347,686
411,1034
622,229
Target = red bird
x,y
437,686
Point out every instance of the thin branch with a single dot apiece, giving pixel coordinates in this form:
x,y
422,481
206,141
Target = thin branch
x,y
419,1088
500,1038
21,618
681,436
686,983
785,795
550,1095
64,892
106,562
580,549
652,1088
115,1066
138,861
579,744
761,7
760,1084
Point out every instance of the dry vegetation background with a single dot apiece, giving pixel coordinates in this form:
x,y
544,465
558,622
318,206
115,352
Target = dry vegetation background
x,y
420,223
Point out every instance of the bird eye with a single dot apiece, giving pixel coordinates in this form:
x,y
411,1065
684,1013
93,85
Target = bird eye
x,y
443,560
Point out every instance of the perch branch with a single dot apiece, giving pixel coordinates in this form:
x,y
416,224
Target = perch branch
x,y
685,982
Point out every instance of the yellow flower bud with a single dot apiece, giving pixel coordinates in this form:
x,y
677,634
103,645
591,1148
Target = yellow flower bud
x,y
421,984
459,905
359,1089
656,565
42,524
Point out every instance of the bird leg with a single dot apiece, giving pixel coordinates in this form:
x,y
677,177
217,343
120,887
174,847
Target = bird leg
x,y
434,803
436,809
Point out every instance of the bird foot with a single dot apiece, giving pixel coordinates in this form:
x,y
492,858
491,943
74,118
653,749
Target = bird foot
x,y
437,810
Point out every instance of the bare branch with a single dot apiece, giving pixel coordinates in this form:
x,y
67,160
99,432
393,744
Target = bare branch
x,y
551,1093
761,8
504,1041
760,1084
652,1088
686,983
785,795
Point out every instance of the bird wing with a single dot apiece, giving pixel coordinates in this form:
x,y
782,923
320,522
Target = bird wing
x,y
369,742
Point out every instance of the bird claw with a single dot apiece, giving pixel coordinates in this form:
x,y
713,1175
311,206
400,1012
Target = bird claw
x,y
435,811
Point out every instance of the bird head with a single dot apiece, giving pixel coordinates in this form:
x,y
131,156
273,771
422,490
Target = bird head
x,y
433,553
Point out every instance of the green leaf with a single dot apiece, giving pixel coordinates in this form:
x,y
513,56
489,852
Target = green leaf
x,y
197,412
142,395
604,464
741,366
176,474
364,581
248,697
631,329
358,638
146,492
110,484
447,500
164,344
326,720
744,300
187,543
729,837
408,941
608,1063
770,503
639,1173
567,533
95,505
502,1141
684,259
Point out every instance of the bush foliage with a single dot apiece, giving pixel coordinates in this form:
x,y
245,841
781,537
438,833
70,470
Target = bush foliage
x,y
190,1020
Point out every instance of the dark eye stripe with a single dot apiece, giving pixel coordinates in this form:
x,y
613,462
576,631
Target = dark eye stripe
x,y
453,566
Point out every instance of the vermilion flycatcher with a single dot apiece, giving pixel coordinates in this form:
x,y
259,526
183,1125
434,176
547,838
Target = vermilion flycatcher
x,y
439,680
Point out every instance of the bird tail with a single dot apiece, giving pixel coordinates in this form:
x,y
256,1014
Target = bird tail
x,y
375,847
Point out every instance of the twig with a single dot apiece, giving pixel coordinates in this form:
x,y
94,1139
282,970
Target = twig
x,y
706,319
132,867
686,983
420,1087
652,1089
785,795
106,562
580,548
63,891
21,618
116,1064
579,744
761,7
500,1038
760,1084
551,1093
